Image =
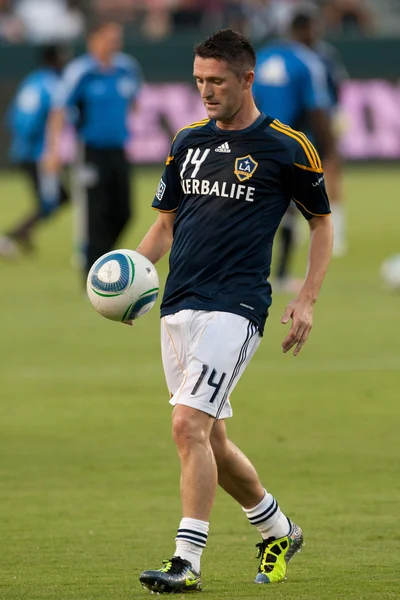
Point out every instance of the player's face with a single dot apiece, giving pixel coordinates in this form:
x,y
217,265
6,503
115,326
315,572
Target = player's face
x,y
107,40
112,38
220,89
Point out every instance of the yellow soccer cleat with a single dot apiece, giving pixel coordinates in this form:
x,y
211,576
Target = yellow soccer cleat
x,y
275,555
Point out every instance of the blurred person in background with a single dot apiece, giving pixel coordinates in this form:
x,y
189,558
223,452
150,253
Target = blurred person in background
x,y
26,120
188,14
11,27
114,9
151,17
349,17
101,87
156,18
291,84
259,19
48,21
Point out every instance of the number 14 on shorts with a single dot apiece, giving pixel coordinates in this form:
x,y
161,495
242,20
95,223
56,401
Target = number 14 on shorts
x,y
212,382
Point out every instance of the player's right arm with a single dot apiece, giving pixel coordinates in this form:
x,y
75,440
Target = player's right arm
x,y
158,240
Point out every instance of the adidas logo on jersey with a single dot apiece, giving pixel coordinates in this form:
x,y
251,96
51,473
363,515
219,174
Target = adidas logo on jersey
x,y
223,148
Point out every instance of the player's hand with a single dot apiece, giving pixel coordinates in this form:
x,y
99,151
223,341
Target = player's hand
x,y
301,313
51,163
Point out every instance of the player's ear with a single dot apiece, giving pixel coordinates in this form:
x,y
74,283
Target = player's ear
x,y
248,80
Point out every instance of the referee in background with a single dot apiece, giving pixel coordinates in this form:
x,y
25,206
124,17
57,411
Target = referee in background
x,y
97,91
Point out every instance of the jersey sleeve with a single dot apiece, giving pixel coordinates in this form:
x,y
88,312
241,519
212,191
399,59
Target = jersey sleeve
x,y
169,191
68,90
307,179
136,76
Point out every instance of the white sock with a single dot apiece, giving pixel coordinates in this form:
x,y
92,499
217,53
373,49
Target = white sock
x,y
268,518
191,540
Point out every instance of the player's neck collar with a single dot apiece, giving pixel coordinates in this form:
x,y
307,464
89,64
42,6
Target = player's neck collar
x,y
260,121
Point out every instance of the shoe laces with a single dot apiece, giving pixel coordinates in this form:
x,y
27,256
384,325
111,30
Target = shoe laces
x,y
268,551
263,545
174,565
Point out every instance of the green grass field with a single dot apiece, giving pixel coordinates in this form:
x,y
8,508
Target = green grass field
x,y
88,473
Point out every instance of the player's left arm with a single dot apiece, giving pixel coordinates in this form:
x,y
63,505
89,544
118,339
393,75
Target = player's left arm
x,y
309,193
301,309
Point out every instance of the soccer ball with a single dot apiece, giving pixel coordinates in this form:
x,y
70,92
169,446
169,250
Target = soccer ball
x,y
122,285
390,272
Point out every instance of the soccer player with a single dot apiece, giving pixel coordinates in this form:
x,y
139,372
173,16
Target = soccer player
x,y
101,87
227,184
26,119
291,85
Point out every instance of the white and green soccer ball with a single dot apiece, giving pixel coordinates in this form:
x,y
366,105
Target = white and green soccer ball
x,y
390,272
122,285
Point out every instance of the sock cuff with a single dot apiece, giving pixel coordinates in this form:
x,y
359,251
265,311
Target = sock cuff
x,y
193,531
202,526
265,510
256,509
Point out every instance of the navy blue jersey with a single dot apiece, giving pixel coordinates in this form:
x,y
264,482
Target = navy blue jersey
x,y
230,190
102,97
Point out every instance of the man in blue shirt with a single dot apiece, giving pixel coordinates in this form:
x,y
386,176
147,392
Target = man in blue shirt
x,y
26,120
227,183
98,91
291,85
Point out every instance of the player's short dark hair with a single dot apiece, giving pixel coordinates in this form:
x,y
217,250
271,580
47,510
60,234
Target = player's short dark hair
x,y
229,46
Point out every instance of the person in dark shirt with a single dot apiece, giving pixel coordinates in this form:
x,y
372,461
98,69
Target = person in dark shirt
x,y
99,89
227,184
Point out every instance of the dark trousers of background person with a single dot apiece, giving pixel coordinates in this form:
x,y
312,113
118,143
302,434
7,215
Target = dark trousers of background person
x,y
108,200
23,230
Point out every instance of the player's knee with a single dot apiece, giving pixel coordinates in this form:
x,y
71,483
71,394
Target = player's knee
x,y
187,428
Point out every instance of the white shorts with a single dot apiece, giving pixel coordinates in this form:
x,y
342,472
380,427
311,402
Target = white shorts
x,y
204,355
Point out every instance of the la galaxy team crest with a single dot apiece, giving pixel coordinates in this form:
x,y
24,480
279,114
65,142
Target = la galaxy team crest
x,y
245,167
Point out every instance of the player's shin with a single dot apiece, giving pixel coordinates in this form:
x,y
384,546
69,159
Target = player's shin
x,y
191,430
